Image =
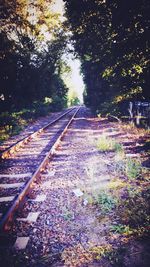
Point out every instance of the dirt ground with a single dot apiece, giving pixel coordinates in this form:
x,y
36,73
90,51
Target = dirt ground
x,y
96,207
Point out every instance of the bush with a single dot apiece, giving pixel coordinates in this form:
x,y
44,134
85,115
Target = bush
x,y
27,114
134,209
105,201
104,144
118,147
133,168
107,144
8,121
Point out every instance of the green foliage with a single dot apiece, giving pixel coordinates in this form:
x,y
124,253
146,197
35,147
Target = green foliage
x,y
133,168
116,63
128,167
13,122
27,114
120,166
133,210
8,121
118,147
73,98
100,251
30,60
121,229
104,144
67,215
116,256
105,201
74,101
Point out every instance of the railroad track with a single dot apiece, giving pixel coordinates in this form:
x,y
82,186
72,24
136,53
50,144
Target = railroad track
x,y
23,162
6,153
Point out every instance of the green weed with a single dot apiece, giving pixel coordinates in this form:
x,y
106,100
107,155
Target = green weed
x,y
130,168
133,168
118,147
108,144
100,251
104,144
121,229
120,166
105,201
134,209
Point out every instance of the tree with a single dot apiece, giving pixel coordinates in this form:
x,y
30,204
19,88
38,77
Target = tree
x,y
32,43
111,38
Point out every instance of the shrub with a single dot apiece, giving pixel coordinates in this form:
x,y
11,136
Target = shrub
x,y
121,229
8,121
134,209
104,144
118,147
107,144
27,114
105,201
133,168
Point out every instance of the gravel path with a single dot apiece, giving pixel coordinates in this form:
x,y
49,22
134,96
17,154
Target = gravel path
x,y
69,230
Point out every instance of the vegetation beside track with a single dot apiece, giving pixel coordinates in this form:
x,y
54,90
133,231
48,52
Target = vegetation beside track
x,y
122,205
12,122
31,83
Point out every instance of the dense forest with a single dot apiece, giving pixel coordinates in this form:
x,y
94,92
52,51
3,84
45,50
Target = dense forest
x,y
112,40
32,40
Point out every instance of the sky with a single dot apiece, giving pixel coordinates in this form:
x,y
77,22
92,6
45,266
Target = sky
x,y
76,78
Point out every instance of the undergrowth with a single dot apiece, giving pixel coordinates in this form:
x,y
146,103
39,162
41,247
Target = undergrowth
x,y
105,201
11,123
105,144
133,168
129,168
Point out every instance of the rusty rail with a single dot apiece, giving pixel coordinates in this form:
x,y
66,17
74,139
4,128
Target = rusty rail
x,y
14,147
7,219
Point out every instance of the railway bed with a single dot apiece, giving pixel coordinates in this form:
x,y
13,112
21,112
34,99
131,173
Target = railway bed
x,y
22,166
58,226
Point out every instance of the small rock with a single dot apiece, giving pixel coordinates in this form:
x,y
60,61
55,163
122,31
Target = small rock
x,y
78,192
85,202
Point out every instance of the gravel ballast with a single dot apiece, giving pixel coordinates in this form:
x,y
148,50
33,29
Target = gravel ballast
x,y
70,230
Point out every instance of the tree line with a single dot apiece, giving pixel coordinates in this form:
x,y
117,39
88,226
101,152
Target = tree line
x,y
112,41
32,40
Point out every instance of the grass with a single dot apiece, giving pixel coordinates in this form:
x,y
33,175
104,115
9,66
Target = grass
x,y
133,168
105,201
105,144
129,168
67,215
118,147
123,206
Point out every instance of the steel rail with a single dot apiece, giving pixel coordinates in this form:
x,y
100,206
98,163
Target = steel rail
x,y
10,150
5,222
